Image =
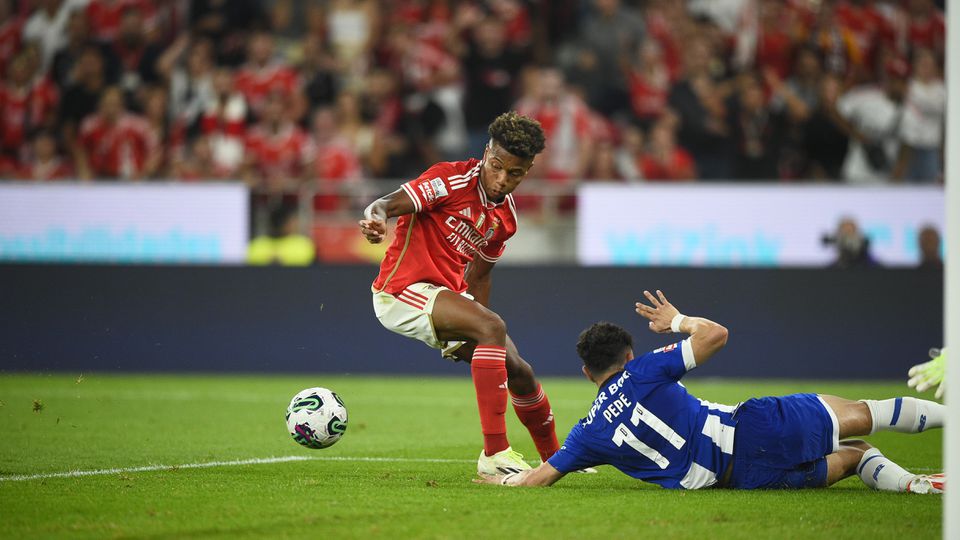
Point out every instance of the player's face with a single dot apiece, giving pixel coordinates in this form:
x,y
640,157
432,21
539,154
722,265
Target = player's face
x,y
502,172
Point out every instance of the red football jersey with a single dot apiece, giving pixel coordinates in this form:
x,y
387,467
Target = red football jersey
x,y
23,109
256,83
104,16
453,223
279,155
120,149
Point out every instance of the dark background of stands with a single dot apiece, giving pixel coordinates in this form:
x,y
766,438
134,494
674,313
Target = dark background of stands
x,y
812,324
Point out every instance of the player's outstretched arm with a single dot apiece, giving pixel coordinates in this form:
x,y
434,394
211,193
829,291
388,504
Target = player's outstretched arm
x,y
373,226
542,476
706,336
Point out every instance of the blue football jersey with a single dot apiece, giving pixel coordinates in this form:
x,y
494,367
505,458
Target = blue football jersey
x,y
646,424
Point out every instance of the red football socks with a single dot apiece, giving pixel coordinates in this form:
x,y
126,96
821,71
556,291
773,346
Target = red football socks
x,y
489,370
535,413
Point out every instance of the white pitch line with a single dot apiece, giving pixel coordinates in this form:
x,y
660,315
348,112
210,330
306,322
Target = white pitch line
x,y
254,461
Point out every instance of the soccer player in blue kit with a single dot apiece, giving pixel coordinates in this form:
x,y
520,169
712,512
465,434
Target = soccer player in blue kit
x,y
646,424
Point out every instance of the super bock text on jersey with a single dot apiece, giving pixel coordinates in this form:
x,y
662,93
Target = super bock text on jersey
x,y
646,424
452,224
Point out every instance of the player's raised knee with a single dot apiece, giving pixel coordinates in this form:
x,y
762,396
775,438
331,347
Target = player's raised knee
x,y
491,329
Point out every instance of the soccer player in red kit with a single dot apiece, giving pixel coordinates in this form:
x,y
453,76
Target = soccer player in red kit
x,y
434,283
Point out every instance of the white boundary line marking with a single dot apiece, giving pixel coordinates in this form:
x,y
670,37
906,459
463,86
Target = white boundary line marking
x,y
209,464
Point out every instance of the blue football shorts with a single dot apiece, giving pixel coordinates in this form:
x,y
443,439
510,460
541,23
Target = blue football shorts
x,y
782,442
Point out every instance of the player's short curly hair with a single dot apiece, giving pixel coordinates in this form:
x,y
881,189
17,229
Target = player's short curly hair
x,y
603,345
517,134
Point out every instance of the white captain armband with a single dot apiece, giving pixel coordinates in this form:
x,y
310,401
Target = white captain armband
x,y
686,349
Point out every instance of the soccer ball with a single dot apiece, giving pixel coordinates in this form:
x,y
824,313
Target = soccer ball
x,y
316,418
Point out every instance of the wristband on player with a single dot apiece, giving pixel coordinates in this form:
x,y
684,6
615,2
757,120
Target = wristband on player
x,y
676,322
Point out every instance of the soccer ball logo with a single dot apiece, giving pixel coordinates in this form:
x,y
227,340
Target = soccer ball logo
x,y
316,418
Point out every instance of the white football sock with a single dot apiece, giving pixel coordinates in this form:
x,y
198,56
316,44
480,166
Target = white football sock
x,y
878,472
905,414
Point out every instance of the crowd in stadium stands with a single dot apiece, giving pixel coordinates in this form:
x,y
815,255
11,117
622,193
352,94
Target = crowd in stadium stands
x,y
285,92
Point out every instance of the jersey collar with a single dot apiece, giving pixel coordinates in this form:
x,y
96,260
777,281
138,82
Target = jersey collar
x,y
606,382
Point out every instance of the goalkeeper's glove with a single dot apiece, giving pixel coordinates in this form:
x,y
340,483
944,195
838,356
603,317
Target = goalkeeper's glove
x,y
929,374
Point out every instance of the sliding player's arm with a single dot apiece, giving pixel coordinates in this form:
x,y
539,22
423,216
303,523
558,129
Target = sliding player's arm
x,y
373,226
542,476
478,280
706,336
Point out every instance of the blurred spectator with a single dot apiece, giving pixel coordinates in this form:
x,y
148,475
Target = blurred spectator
x,y
197,163
767,44
334,160
926,27
836,44
630,153
161,129
226,23
566,121
870,30
78,39
224,123
319,72
664,159
28,101
115,143
825,143
921,128
352,26
283,245
650,81
603,161
11,27
383,101
726,14
277,152
796,100
136,55
491,78
757,131
611,35
363,138
928,240
870,115
851,245
699,101
430,76
47,27
44,161
188,69
82,97
263,74
106,18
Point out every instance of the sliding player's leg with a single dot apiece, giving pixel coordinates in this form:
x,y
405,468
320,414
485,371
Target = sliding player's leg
x,y
843,463
456,318
856,418
529,400
903,414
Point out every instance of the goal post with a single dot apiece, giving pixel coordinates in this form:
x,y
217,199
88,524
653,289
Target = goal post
x,y
951,305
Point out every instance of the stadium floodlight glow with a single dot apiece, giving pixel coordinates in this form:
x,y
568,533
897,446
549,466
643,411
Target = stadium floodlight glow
x,y
951,447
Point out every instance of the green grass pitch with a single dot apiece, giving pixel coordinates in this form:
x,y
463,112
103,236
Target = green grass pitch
x,y
120,422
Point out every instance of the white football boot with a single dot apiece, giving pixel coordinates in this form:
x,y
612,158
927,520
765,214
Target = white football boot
x,y
927,484
503,462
